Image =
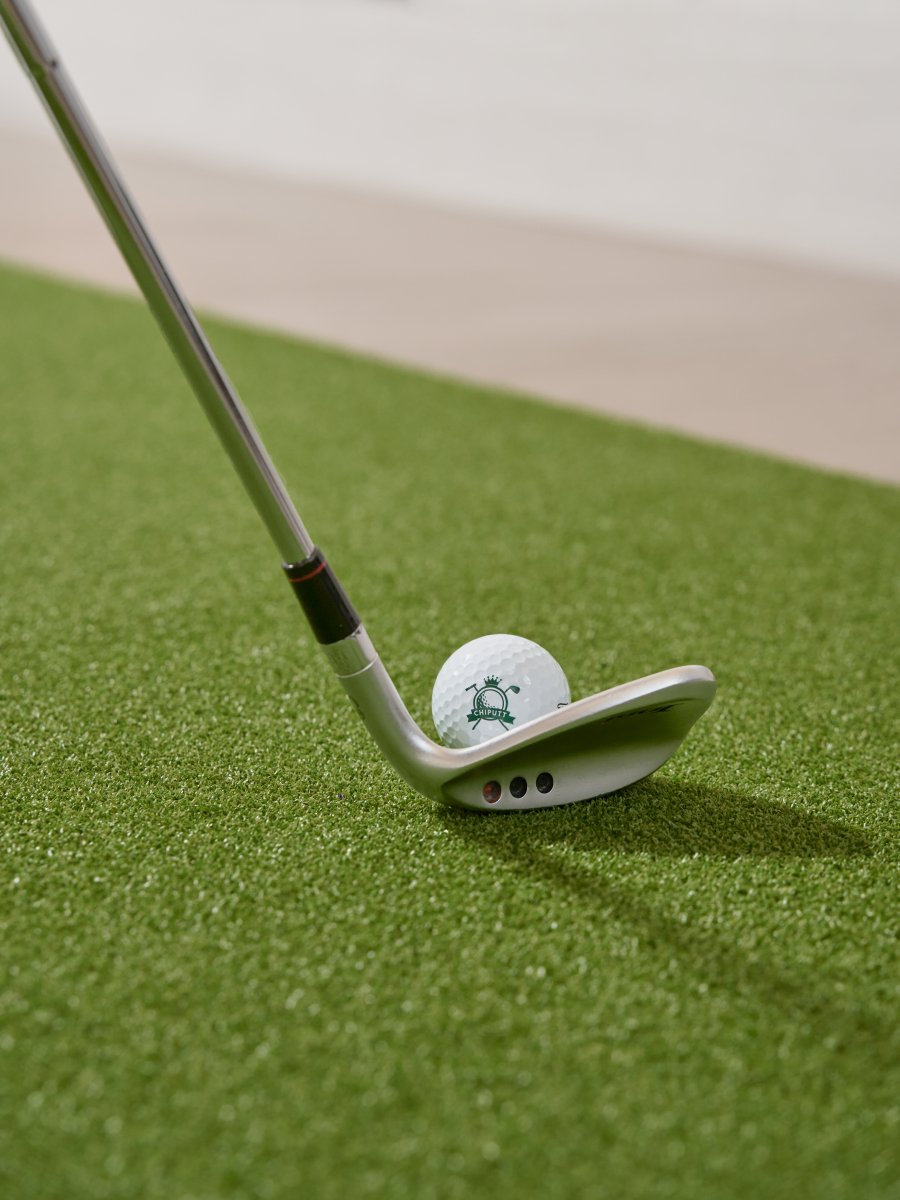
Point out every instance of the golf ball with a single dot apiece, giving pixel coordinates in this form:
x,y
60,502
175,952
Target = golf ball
x,y
494,684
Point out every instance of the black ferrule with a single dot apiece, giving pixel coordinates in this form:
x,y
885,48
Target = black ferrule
x,y
322,598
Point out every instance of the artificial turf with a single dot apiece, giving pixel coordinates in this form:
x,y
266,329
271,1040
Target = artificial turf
x,y
240,958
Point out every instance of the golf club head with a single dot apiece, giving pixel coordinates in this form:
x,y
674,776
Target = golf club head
x,y
595,746
590,748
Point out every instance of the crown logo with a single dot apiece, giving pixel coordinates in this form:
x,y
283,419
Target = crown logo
x,y
491,702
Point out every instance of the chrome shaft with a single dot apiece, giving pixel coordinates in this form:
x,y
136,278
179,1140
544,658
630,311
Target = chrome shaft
x,y
180,326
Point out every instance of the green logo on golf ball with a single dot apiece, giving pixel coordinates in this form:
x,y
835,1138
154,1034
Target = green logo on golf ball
x,y
491,702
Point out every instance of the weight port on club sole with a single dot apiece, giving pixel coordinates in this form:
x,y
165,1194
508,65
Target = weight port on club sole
x,y
518,786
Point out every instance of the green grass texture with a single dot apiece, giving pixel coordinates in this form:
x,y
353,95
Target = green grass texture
x,y
240,958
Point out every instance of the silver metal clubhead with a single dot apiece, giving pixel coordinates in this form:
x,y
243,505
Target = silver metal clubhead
x,y
590,748
594,746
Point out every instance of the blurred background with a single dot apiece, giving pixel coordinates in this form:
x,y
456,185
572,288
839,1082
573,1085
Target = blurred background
x,y
685,212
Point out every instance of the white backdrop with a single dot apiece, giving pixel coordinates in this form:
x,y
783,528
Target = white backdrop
x,y
772,125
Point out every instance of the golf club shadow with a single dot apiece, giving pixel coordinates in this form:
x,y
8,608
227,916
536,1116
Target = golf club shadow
x,y
665,818
551,848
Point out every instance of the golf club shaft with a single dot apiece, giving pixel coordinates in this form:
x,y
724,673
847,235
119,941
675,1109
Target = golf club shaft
x,y
180,326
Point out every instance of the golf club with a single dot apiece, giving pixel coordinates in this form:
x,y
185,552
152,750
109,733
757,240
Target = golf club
x,y
594,746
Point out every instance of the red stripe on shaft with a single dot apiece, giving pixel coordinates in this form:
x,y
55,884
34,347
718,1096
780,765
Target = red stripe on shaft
x,y
303,578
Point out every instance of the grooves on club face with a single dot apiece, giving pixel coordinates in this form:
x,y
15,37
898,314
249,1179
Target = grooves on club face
x,y
593,747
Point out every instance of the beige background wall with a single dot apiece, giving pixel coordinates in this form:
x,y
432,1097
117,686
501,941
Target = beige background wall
x,y
684,213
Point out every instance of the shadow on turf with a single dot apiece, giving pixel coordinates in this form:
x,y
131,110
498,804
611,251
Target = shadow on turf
x,y
664,817
661,817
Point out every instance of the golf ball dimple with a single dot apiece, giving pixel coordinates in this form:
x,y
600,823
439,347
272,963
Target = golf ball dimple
x,y
492,685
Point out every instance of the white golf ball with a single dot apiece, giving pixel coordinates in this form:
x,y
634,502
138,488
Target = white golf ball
x,y
492,685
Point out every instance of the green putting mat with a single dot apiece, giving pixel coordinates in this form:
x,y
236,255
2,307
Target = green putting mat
x,y
241,959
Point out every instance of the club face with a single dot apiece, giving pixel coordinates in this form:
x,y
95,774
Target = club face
x,y
596,746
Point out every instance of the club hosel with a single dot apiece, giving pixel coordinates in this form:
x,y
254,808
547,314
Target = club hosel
x,y
363,676
420,761
355,661
351,654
